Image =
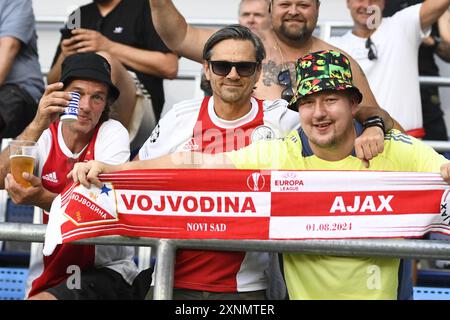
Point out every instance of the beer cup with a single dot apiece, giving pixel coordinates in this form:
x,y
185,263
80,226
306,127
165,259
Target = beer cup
x,y
22,157
71,111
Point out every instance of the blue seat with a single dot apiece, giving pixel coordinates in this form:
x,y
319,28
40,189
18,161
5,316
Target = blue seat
x,y
430,293
19,213
12,283
433,278
12,250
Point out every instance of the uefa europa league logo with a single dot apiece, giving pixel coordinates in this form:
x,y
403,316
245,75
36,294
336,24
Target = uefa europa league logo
x,y
256,181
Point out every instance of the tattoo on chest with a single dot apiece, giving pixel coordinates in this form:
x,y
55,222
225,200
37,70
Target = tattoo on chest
x,y
271,69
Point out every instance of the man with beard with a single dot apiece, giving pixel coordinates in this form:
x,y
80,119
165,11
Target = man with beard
x,y
123,31
388,51
293,23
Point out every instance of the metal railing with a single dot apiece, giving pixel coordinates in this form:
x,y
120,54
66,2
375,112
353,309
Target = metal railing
x,y
439,146
434,81
166,248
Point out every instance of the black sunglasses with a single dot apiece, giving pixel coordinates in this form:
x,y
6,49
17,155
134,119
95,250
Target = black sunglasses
x,y
372,55
223,68
284,79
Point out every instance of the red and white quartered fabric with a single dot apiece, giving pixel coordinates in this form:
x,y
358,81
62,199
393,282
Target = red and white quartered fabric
x,y
251,204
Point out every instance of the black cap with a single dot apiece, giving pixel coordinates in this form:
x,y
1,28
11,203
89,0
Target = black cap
x,y
90,66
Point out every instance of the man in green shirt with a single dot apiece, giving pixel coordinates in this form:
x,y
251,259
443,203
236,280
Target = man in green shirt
x,y
327,101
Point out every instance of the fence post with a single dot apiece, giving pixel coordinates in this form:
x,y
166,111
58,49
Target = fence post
x,y
165,267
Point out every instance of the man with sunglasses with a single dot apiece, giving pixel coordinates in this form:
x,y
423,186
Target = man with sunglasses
x,y
293,22
387,50
254,15
326,99
229,120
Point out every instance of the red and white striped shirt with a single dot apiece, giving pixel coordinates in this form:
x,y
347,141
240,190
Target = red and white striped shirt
x,y
109,144
194,126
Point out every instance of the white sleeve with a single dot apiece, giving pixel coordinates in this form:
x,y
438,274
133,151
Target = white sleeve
x,y
283,119
112,145
44,145
160,141
290,120
408,20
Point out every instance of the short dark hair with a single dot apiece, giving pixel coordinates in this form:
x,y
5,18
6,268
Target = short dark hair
x,y
235,32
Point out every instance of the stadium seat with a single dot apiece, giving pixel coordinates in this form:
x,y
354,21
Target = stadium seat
x,y
19,213
12,283
17,250
433,278
430,293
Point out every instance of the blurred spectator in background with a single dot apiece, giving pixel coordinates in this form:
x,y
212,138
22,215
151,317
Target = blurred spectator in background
x,y
21,82
254,14
387,50
123,30
437,43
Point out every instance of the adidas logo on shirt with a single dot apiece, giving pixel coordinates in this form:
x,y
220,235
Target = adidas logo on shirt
x,y
51,177
191,145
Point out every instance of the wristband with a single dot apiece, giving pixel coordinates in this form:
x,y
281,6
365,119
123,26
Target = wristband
x,y
375,121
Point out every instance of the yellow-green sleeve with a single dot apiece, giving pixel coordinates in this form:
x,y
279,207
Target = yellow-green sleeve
x,y
428,159
411,154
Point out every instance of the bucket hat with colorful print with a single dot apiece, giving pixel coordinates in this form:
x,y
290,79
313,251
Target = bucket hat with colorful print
x,y
323,70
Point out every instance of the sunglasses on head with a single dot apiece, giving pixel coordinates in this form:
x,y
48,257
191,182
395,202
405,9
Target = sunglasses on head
x,y
223,68
284,79
372,55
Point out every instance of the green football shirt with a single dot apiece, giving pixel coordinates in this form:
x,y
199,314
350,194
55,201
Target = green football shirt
x,y
332,277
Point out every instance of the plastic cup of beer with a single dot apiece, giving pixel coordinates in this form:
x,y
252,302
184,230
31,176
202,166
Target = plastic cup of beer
x,y
22,157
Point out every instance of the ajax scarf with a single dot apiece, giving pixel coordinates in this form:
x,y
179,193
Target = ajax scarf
x,y
252,204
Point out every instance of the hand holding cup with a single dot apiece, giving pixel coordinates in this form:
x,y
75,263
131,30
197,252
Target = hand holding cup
x,y
22,157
